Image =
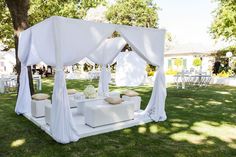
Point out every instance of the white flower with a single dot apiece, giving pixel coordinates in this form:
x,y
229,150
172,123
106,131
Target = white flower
x,y
90,92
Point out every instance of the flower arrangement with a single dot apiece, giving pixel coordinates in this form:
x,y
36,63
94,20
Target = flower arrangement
x,y
90,92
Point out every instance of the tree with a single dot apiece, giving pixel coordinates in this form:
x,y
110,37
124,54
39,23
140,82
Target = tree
x,y
42,9
224,24
19,14
6,27
85,5
39,10
133,13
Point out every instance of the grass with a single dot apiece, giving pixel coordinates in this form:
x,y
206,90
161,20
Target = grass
x,y
201,122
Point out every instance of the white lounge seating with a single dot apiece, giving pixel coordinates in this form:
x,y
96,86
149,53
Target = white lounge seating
x,y
82,103
104,114
38,107
135,99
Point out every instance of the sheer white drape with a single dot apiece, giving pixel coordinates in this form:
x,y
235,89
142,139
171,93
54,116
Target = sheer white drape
x,y
62,125
149,44
156,105
104,80
23,103
104,55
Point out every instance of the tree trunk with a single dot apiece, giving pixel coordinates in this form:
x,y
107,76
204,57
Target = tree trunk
x,y
19,14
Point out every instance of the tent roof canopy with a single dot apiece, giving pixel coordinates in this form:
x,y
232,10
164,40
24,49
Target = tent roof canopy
x,y
67,36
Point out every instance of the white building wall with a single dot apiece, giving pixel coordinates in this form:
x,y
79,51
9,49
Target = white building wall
x,y
207,62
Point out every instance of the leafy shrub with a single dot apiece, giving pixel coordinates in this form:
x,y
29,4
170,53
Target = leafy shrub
x,y
225,74
171,72
197,62
151,73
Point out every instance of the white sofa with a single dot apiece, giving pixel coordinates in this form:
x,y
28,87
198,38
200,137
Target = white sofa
x,y
135,99
104,114
82,103
38,107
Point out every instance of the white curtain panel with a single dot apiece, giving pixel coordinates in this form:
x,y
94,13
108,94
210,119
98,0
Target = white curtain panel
x,y
104,55
107,51
104,80
62,125
87,61
156,105
149,44
23,103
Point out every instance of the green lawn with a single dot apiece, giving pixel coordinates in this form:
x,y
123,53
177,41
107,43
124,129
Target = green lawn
x,y
201,122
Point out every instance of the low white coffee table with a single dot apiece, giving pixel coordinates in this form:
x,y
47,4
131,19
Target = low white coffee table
x,y
104,113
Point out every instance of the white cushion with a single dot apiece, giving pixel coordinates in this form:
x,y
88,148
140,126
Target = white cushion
x,y
40,96
104,114
130,93
113,100
71,91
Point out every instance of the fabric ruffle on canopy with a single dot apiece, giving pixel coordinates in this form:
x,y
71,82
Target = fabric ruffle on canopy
x,y
59,41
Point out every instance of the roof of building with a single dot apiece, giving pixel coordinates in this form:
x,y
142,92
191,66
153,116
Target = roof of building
x,y
189,49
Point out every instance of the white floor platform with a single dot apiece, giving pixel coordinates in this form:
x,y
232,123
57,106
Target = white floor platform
x,y
84,130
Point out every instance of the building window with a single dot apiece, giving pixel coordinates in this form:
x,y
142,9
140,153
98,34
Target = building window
x,y
169,63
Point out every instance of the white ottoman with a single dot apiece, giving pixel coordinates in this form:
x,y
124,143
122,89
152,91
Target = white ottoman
x,y
135,99
48,108
82,103
38,107
105,113
114,94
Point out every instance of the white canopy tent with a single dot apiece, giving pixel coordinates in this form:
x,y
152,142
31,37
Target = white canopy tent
x,y
60,41
130,69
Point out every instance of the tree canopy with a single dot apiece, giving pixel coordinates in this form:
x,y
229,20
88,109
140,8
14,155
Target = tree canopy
x,y
134,13
6,27
42,9
224,24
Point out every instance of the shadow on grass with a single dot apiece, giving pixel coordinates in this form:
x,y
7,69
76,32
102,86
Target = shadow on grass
x,y
201,122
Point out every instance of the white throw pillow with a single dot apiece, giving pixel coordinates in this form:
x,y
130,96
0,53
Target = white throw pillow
x,y
130,93
40,96
113,100
71,91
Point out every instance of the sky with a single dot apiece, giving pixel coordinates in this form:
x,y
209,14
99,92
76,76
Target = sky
x,y
189,22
